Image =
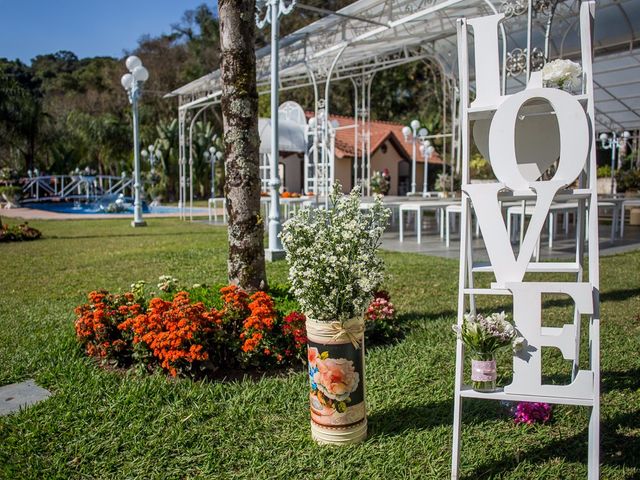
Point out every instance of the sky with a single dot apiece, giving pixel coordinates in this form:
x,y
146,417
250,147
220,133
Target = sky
x,y
86,27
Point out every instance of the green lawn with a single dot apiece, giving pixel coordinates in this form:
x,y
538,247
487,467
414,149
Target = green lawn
x,y
102,424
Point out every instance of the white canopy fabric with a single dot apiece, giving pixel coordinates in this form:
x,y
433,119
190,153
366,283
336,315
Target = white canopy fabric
x,y
291,136
372,35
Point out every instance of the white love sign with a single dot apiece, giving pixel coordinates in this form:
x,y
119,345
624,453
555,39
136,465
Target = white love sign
x,y
573,125
522,135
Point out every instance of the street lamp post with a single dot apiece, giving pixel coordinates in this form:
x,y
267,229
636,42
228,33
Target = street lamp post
x,y
153,155
415,133
614,142
132,83
427,151
274,9
213,154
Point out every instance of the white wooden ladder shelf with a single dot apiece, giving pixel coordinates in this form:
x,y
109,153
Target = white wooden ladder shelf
x,y
518,161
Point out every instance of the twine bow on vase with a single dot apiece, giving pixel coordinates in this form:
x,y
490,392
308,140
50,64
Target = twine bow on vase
x,y
352,330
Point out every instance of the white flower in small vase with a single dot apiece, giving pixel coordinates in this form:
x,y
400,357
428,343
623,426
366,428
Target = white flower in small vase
x,y
563,74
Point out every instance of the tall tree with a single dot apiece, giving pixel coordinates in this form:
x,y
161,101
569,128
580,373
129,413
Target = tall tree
x,y
246,265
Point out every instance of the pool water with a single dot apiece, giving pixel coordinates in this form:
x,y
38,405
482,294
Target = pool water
x,y
94,208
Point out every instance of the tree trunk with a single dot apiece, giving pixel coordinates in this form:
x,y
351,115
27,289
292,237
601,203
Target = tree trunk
x,y
246,265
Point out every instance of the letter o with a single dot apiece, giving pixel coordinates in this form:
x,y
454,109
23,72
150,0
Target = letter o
x,y
574,137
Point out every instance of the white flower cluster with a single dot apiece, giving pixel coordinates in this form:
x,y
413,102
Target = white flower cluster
x,y
167,283
561,72
333,266
488,334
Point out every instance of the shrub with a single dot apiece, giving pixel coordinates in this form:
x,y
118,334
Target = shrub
x,y
479,168
295,333
18,233
97,325
604,171
628,180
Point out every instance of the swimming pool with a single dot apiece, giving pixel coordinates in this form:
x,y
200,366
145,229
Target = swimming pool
x,y
94,208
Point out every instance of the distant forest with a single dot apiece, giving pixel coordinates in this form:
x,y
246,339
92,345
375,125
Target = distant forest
x,y
61,113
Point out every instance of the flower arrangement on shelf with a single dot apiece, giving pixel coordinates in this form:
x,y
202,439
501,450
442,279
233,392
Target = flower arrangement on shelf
x,y
443,183
381,182
484,336
563,74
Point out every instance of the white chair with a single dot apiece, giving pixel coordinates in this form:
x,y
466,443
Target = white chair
x,y
628,202
452,211
555,210
213,208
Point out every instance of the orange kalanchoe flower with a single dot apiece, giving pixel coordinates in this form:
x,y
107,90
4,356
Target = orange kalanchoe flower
x,y
97,324
175,332
260,320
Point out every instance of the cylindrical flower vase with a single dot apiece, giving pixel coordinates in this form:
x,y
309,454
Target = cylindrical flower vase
x,y
483,372
336,376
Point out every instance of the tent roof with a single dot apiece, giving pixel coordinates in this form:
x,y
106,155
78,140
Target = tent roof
x,y
380,34
291,136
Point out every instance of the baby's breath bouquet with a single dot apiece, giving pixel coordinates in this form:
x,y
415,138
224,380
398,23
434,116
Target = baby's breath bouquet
x,y
333,266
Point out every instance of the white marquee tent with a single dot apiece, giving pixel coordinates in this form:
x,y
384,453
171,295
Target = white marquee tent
x,y
373,35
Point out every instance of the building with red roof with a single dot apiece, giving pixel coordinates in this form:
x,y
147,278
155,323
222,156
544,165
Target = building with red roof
x,y
388,149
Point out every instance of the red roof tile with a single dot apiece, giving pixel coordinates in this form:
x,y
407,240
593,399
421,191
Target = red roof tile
x,y
380,132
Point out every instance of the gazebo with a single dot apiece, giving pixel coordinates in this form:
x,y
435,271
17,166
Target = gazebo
x,y
369,36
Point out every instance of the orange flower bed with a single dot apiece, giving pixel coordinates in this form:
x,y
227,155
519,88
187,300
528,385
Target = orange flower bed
x,y
183,336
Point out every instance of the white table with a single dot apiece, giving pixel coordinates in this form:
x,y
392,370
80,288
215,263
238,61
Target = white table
x,y
419,207
630,203
394,207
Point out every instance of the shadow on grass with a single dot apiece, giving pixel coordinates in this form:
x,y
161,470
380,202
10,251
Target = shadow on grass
x,y
616,449
401,419
413,317
123,235
625,380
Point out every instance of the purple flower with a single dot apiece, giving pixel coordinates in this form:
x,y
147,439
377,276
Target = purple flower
x,y
532,412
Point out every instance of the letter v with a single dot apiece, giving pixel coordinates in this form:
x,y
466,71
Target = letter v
x,y
496,238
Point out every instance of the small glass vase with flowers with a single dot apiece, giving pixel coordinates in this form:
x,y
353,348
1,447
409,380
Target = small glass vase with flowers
x,y
483,337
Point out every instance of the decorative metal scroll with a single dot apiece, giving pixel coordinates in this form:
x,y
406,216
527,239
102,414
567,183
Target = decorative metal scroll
x,y
516,62
515,8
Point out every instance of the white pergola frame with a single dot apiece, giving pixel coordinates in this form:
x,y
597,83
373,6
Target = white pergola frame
x,y
370,36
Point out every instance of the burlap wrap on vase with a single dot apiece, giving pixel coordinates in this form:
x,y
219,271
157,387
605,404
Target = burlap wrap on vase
x,y
336,375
